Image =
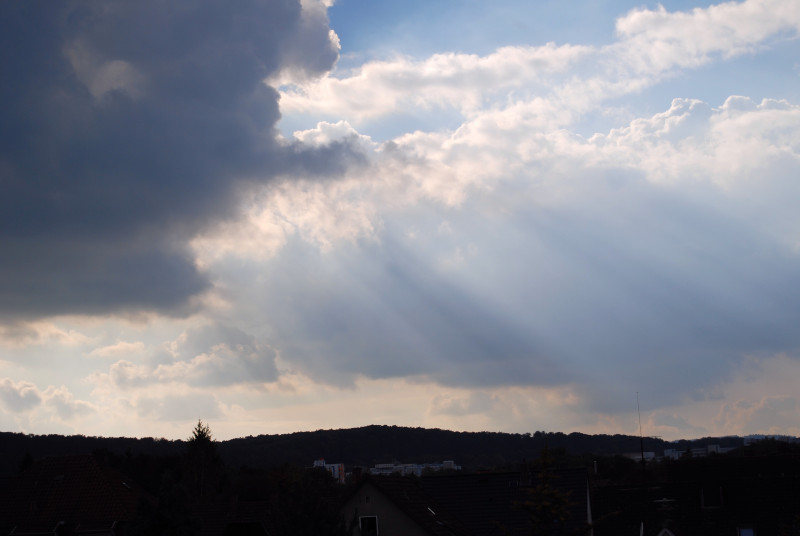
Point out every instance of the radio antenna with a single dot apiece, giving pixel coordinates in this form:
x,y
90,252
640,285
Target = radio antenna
x,y
639,413
641,437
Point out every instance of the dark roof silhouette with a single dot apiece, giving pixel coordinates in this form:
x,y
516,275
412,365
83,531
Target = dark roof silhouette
x,y
412,498
480,504
71,494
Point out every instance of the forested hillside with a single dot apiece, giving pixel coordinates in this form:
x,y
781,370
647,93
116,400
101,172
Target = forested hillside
x,y
265,482
382,444
363,446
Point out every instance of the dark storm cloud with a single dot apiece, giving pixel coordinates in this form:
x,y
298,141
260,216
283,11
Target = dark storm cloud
x,y
126,128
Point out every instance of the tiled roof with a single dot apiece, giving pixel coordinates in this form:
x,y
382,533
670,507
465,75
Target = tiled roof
x,y
408,495
490,503
483,502
480,504
75,491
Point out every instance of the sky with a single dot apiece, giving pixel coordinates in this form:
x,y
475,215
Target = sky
x,y
292,215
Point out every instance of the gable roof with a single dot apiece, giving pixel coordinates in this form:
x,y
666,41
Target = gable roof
x,y
483,502
408,495
480,504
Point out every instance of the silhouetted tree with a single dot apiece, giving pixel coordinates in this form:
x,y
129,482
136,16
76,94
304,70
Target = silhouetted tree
x,y
201,433
203,464
305,501
546,505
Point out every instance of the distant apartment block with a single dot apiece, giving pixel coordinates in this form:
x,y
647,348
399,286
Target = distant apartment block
x,y
335,469
699,452
417,469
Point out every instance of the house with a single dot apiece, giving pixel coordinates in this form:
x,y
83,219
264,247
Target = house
x,y
396,506
81,495
467,504
69,495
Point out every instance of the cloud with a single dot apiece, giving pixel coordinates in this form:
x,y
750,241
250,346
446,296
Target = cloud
x,y
24,397
65,405
120,348
24,334
556,83
320,212
672,425
687,39
19,396
210,356
126,374
514,262
464,81
769,415
758,396
614,263
475,403
380,311
178,407
126,129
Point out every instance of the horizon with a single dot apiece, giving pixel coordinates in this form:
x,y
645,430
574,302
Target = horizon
x,y
314,213
526,434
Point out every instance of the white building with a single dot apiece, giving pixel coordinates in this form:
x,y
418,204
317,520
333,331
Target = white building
x,y
335,469
405,469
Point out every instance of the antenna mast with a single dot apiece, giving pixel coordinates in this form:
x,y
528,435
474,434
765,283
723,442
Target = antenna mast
x,y
641,437
644,467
